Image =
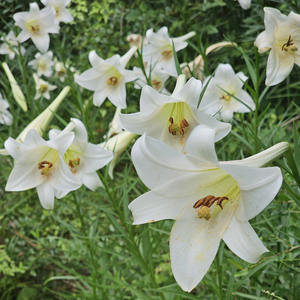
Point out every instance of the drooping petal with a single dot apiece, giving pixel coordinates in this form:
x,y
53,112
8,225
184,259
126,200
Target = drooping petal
x,y
46,195
243,241
279,66
95,60
194,243
80,131
151,207
91,180
262,42
99,97
133,123
41,42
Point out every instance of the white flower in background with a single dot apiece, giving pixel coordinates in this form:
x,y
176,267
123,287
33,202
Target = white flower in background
x,y
209,200
217,101
245,4
160,49
107,78
83,158
39,163
5,116
196,67
60,71
62,14
118,144
42,88
171,118
158,78
43,64
10,46
37,24
282,36
136,40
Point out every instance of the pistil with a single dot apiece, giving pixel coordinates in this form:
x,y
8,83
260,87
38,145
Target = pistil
x,y
289,46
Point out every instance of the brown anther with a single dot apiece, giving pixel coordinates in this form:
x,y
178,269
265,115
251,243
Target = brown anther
x,y
289,43
184,123
43,88
172,127
112,80
198,203
167,53
220,200
44,166
74,162
35,28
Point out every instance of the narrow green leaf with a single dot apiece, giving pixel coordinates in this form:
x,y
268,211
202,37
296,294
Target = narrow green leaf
x,y
179,72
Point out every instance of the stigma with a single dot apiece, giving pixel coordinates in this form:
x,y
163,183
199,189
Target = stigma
x,y
112,80
205,203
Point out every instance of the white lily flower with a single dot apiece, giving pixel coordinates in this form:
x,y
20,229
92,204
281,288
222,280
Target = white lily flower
x,y
171,118
282,36
107,78
37,24
158,78
62,14
5,116
114,127
43,64
160,49
245,4
42,88
39,164
218,102
10,46
16,90
60,71
83,158
209,200
118,144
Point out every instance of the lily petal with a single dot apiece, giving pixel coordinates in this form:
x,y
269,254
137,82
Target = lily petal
x,y
46,195
243,241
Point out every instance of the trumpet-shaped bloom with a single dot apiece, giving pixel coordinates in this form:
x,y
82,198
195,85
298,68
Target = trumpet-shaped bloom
x,y
160,49
118,144
39,163
43,64
171,118
37,24
282,36
218,100
10,46
209,200
5,116
107,78
158,78
62,14
42,88
83,158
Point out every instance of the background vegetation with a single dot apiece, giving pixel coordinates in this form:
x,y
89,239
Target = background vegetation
x,y
87,247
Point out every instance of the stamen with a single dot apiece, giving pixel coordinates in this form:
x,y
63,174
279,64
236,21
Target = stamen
x,y
174,126
43,88
35,28
156,83
205,203
45,167
112,80
289,46
74,162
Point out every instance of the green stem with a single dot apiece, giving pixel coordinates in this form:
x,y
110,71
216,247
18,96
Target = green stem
x,y
89,247
130,236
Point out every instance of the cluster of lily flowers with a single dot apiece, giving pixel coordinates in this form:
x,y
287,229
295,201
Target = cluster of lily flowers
x,y
175,156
